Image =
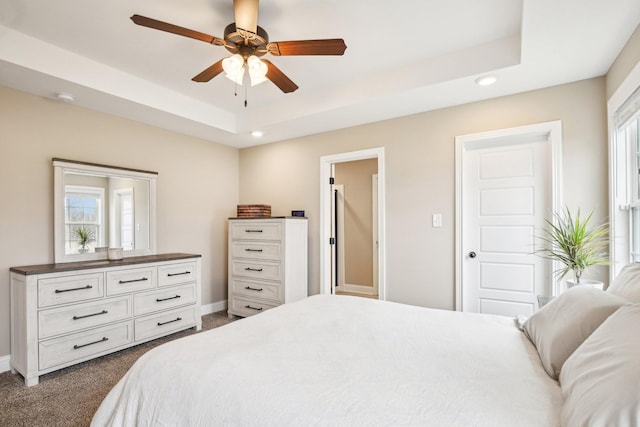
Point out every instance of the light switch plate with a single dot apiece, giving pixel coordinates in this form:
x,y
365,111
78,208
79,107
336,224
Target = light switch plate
x,y
436,220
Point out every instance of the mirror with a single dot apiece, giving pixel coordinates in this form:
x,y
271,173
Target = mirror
x,y
97,207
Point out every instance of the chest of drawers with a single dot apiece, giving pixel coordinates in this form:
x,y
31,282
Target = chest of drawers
x,y
63,314
267,263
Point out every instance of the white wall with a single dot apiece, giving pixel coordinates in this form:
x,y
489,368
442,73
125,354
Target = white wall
x,y
197,185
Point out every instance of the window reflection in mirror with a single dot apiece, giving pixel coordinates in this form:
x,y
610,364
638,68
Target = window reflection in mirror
x,y
97,207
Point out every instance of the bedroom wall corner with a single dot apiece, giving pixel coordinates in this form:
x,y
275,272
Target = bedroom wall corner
x,y
627,59
197,185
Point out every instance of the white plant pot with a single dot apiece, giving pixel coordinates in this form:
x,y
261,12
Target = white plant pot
x,y
584,282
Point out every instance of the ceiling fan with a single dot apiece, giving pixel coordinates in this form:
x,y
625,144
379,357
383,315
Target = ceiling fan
x,y
248,42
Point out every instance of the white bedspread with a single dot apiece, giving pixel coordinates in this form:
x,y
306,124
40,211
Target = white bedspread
x,y
336,361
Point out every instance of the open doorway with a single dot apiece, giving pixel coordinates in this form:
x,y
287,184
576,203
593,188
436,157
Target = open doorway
x,y
340,236
354,227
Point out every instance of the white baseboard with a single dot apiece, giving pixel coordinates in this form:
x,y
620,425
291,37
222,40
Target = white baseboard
x,y
4,363
358,289
206,309
214,307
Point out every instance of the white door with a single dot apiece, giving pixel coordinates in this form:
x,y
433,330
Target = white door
x,y
507,191
374,222
337,223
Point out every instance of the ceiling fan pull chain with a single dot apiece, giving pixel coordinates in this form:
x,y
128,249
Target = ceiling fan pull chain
x,y
245,95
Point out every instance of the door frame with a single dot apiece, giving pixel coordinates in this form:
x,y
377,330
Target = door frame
x,y
551,131
325,214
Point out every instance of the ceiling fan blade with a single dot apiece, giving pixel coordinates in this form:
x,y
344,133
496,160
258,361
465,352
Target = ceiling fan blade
x,y
209,73
279,78
308,47
181,31
246,16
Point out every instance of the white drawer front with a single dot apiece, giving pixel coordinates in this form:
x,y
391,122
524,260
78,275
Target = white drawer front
x,y
255,289
257,250
257,270
131,279
248,307
173,274
164,323
67,289
55,321
66,349
148,302
254,230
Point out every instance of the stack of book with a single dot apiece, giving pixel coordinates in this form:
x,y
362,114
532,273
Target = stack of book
x,y
254,211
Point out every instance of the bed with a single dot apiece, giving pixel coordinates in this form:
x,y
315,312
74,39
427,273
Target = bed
x,y
345,361
339,360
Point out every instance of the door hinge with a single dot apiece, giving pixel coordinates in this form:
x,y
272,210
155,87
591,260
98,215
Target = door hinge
x,y
332,180
332,240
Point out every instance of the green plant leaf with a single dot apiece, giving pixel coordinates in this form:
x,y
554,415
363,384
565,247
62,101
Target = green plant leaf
x,y
570,241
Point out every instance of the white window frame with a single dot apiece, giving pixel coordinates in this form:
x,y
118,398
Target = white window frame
x,y
98,192
116,227
623,177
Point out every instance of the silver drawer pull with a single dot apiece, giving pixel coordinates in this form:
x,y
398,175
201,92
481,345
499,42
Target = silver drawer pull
x,y
131,281
253,269
75,347
253,250
167,299
253,289
253,231
90,315
59,291
170,321
178,274
253,308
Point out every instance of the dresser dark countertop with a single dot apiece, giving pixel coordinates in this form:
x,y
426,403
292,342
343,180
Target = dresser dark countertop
x,y
99,263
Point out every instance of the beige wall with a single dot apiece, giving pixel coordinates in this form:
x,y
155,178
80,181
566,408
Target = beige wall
x,y
197,184
419,152
624,63
358,219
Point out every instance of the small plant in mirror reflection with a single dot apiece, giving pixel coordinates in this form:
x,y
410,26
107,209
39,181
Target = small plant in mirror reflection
x,y
85,236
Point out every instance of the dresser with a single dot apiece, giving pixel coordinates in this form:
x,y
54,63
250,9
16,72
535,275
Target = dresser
x,y
267,263
66,313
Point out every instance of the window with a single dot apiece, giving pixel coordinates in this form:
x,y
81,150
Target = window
x,y
625,176
83,210
125,218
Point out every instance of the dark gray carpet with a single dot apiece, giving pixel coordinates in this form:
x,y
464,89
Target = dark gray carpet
x,y
70,397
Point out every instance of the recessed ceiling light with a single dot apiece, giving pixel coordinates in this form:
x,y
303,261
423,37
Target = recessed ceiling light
x,y
257,133
64,97
486,80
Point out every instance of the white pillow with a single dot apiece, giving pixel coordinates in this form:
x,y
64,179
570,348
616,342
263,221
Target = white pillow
x,y
559,327
627,283
600,382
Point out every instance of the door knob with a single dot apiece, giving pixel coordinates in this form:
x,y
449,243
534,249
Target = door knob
x,y
472,254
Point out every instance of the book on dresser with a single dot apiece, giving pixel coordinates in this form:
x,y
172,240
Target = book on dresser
x,y
66,313
267,263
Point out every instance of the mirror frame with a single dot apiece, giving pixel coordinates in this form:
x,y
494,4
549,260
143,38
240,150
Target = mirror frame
x,y
60,166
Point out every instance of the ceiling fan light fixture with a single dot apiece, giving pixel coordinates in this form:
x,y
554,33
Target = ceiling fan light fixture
x,y
233,67
257,70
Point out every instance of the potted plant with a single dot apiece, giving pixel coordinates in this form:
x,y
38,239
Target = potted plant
x,y
574,244
85,236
